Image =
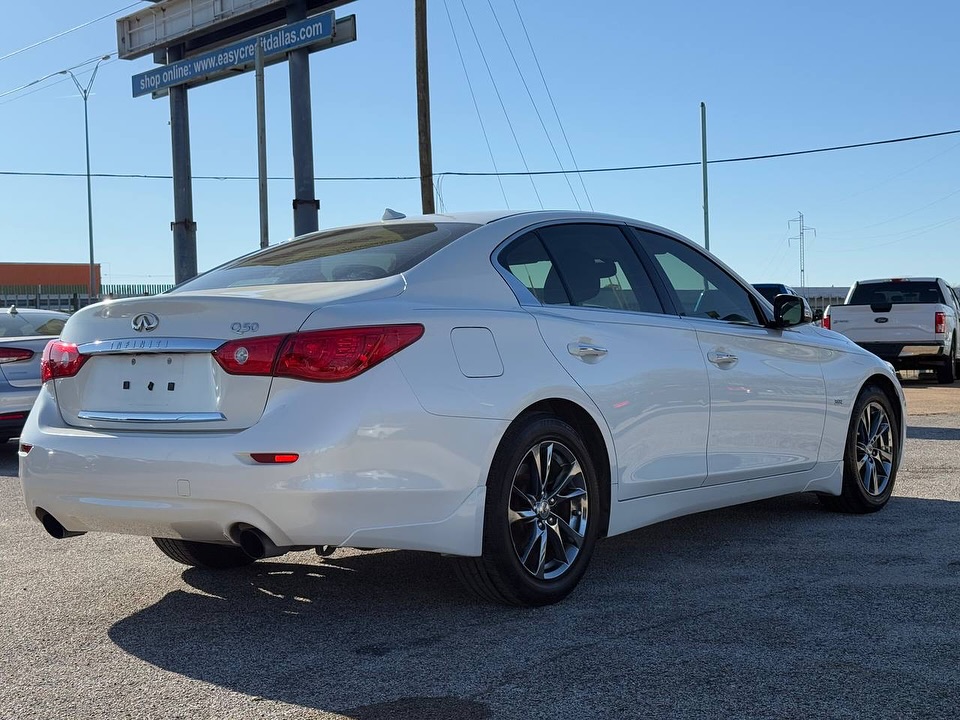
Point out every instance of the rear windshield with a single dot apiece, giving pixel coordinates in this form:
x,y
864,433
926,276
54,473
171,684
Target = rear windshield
x,y
896,293
34,323
362,253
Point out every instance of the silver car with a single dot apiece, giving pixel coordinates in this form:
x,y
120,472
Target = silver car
x,y
24,332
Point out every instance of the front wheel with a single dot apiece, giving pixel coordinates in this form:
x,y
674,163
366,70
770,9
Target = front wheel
x,y
871,456
541,516
212,556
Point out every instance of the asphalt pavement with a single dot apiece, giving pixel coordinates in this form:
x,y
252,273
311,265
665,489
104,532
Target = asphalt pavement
x,y
773,609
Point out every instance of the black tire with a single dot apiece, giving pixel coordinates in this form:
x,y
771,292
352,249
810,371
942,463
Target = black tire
x,y
206,555
552,518
947,373
871,456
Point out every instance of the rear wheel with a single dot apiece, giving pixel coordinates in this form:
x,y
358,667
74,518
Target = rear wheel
x,y
206,555
947,373
541,517
871,456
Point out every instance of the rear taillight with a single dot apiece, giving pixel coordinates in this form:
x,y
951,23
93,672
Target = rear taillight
x,y
825,322
253,356
60,360
317,355
9,355
940,322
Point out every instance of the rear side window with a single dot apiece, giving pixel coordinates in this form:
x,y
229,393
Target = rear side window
x,y
896,293
583,265
363,253
22,324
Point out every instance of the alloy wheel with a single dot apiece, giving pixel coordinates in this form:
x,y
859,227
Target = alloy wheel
x,y
548,510
875,449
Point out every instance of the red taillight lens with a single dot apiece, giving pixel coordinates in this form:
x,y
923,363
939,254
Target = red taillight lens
x,y
253,356
60,360
317,355
940,322
825,322
334,355
9,355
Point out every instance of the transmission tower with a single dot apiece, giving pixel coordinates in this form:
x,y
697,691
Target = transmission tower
x,y
803,228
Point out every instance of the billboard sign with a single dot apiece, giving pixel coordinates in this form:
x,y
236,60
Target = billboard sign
x,y
201,68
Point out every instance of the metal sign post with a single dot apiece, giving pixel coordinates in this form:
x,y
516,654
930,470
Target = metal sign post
x,y
203,42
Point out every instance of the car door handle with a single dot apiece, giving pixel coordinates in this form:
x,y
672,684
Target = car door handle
x,y
586,350
721,359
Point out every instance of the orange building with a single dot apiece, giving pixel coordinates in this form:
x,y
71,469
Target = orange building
x,y
48,274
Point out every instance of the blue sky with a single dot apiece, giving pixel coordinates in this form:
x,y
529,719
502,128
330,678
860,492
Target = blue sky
x,y
627,79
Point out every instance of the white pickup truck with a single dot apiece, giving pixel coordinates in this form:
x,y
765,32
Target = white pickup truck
x,y
909,322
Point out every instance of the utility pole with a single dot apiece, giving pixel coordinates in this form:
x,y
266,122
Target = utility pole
x,y
93,289
803,228
703,164
262,149
423,109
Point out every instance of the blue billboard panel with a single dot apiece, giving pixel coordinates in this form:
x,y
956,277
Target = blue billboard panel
x,y
243,52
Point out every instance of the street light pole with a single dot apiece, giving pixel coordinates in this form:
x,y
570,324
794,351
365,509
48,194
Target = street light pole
x,y
85,94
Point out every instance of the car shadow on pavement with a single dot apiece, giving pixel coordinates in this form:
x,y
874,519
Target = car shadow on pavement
x,y
932,433
777,608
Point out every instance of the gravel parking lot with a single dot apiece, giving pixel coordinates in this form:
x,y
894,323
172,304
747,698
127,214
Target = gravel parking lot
x,y
774,609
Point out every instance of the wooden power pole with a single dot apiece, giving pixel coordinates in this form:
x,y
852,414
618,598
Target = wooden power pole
x,y
423,109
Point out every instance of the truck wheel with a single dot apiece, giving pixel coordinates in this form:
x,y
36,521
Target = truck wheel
x,y
947,373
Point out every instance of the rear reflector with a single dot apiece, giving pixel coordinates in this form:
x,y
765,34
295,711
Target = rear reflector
x,y
13,416
939,322
25,448
317,355
60,360
8,354
275,458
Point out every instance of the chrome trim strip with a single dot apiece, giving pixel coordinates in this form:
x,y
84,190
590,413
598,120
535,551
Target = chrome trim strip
x,y
120,346
914,350
151,417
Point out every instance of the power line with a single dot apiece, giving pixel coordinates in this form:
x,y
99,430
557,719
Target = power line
x,y
67,32
476,105
371,178
533,102
50,75
556,113
502,107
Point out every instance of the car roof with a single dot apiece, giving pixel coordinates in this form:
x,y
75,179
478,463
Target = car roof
x,y
899,279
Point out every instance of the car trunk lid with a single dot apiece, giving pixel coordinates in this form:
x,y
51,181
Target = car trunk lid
x,y
150,365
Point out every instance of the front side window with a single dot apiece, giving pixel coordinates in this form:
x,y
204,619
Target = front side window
x,y
362,253
702,288
583,265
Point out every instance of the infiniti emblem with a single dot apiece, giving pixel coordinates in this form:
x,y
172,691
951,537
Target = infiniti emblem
x,y
145,322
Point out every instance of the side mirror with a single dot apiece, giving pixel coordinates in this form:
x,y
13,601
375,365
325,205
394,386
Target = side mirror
x,y
790,310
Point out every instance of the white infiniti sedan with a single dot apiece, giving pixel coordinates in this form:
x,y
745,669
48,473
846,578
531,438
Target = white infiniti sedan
x,y
503,387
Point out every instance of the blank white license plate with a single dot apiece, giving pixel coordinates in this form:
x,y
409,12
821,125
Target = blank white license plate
x,y
174,382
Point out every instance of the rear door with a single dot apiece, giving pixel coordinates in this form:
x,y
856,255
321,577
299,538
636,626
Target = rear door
x,y
767,394
599,315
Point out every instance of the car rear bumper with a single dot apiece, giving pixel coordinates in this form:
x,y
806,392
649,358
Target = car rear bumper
x,y
908,356
365,477
15,404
